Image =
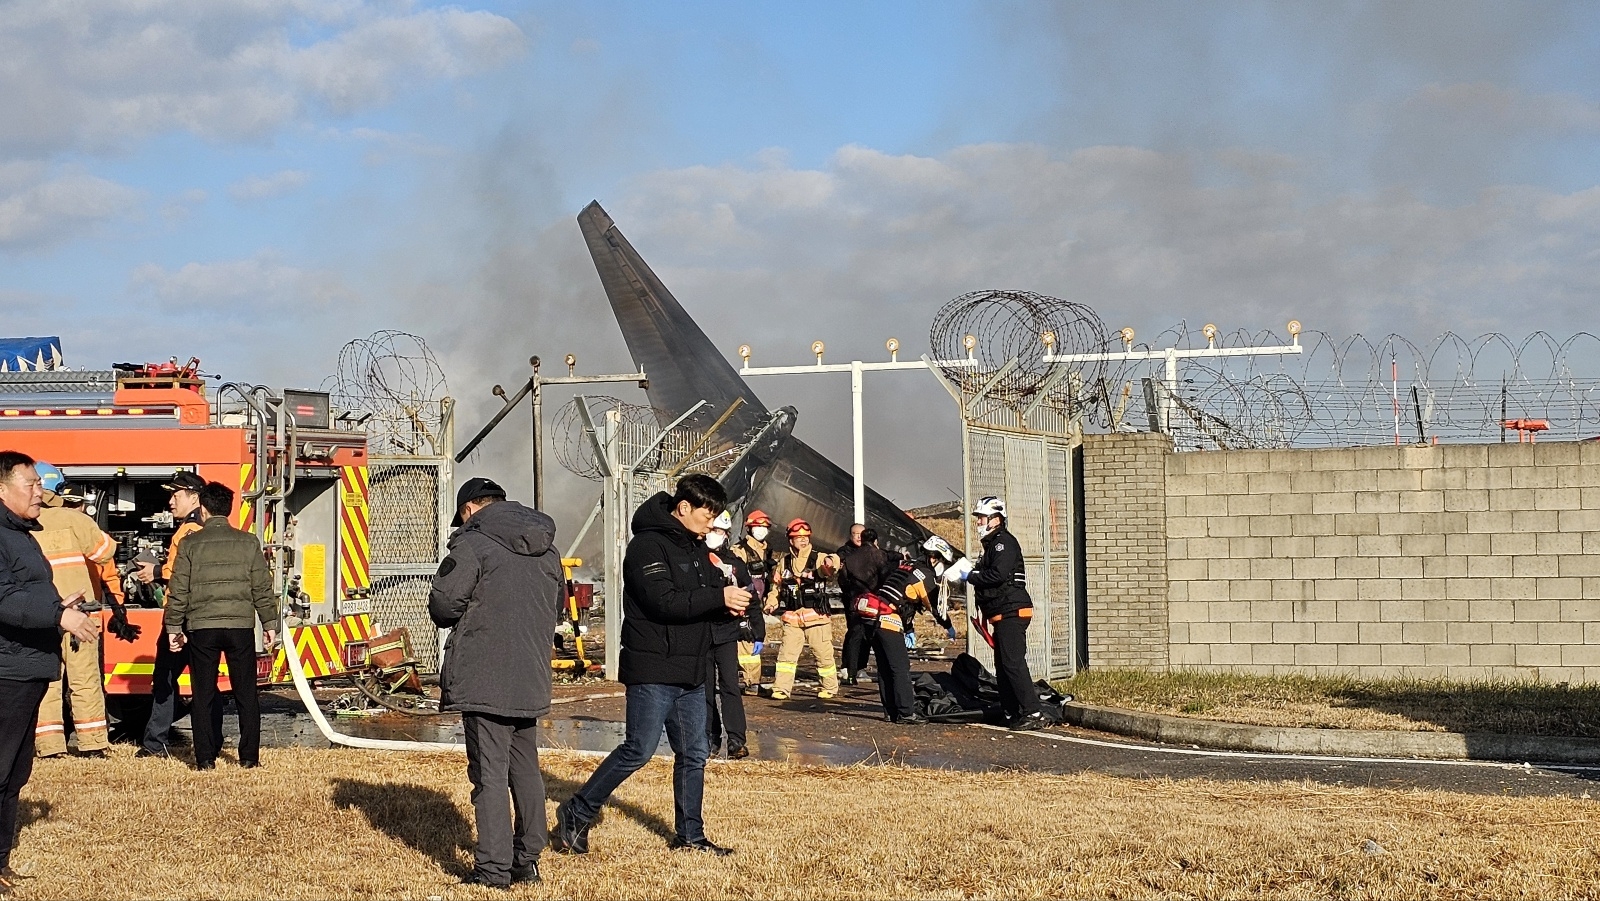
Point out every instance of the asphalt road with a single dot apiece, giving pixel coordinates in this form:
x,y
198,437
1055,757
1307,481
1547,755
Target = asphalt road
x,y
850,730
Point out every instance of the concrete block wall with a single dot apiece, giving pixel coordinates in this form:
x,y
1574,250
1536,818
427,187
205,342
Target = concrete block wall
x,y
1456,561
1125,516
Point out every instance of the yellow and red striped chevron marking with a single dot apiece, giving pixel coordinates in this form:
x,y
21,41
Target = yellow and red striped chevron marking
x,y
355,548
247,510
320,648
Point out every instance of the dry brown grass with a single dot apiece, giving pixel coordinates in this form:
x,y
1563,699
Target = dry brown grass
x,y
1334,703
349,824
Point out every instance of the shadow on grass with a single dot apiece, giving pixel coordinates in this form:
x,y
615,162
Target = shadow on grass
x,y
1502,708
1508,708
559,790
32,811
423,818
429,821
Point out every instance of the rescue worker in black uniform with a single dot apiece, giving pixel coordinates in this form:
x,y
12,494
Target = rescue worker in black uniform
x,y
1006,607
727,635
908,587
862,566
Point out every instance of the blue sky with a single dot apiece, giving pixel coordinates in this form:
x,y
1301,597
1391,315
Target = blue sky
x,y
257,182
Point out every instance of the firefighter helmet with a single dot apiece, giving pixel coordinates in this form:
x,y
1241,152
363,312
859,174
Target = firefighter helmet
x,y
799,527
724,521
757,518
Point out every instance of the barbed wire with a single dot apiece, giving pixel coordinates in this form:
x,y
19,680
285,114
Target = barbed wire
x,y
394,377
1360,390
1007,325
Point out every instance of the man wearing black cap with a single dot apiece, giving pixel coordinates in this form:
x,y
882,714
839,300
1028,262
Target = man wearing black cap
x,y
499,592
188,517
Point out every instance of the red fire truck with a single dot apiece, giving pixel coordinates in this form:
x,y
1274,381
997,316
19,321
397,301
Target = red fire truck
x,y
300,476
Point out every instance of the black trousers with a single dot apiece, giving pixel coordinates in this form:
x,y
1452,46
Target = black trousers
x,y
166,707
857,640
207,647
502,759
19,710
894,673
1018,694
724,684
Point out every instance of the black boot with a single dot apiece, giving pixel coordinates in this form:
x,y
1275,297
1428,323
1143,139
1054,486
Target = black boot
x,y
570,835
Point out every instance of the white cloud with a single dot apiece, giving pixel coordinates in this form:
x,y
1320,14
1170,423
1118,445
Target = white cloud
x,y
37,208
265,187
99,74
261,288
1137,233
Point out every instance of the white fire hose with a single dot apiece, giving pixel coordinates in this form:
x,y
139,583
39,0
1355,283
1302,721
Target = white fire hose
x,y
302,687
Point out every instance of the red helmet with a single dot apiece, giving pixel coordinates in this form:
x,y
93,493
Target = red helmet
x,y
799,527
757,518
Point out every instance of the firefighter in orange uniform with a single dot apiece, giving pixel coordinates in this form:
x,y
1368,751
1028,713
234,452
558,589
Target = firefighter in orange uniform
x,y
798,590
170,664
77,550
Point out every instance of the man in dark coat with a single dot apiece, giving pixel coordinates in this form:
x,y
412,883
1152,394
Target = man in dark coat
x,y
32,618
499,591
671,594
220,588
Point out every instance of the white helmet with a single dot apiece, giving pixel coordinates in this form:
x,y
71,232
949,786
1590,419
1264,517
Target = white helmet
x,y
724,521
937,545
989,506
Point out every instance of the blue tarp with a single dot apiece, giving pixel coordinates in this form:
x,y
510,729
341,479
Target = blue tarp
x,y
29,354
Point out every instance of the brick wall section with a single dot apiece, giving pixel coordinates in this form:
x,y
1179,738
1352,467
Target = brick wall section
x,y
1125,515
1458,561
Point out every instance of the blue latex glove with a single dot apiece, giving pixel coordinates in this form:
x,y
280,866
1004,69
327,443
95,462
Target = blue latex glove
x,y
758,646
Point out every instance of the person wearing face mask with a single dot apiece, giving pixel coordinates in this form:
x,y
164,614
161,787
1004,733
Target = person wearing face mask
x,y
727,637
798,589
1002,593
753,551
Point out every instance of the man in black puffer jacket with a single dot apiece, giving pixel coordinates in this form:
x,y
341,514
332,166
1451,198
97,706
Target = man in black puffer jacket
x,y
671,595
32,618
499,592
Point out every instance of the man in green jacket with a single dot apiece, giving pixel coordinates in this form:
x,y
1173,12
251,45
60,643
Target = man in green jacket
x,y
220,585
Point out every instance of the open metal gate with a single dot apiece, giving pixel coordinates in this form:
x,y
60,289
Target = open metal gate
x,y
410,501
1036,475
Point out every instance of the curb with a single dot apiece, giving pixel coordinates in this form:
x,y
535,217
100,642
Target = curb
x,y
1336,742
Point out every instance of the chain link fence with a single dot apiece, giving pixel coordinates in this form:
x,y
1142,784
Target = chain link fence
x,y
409,502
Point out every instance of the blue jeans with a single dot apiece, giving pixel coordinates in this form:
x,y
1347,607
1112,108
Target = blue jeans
x,y
681,709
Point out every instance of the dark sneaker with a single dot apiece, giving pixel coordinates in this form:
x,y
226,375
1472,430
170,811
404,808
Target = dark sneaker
x,y
478,877
96,754
569,835
205,764
1030,721
738,753
249,764
528,872
704,844
915,719
147,752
